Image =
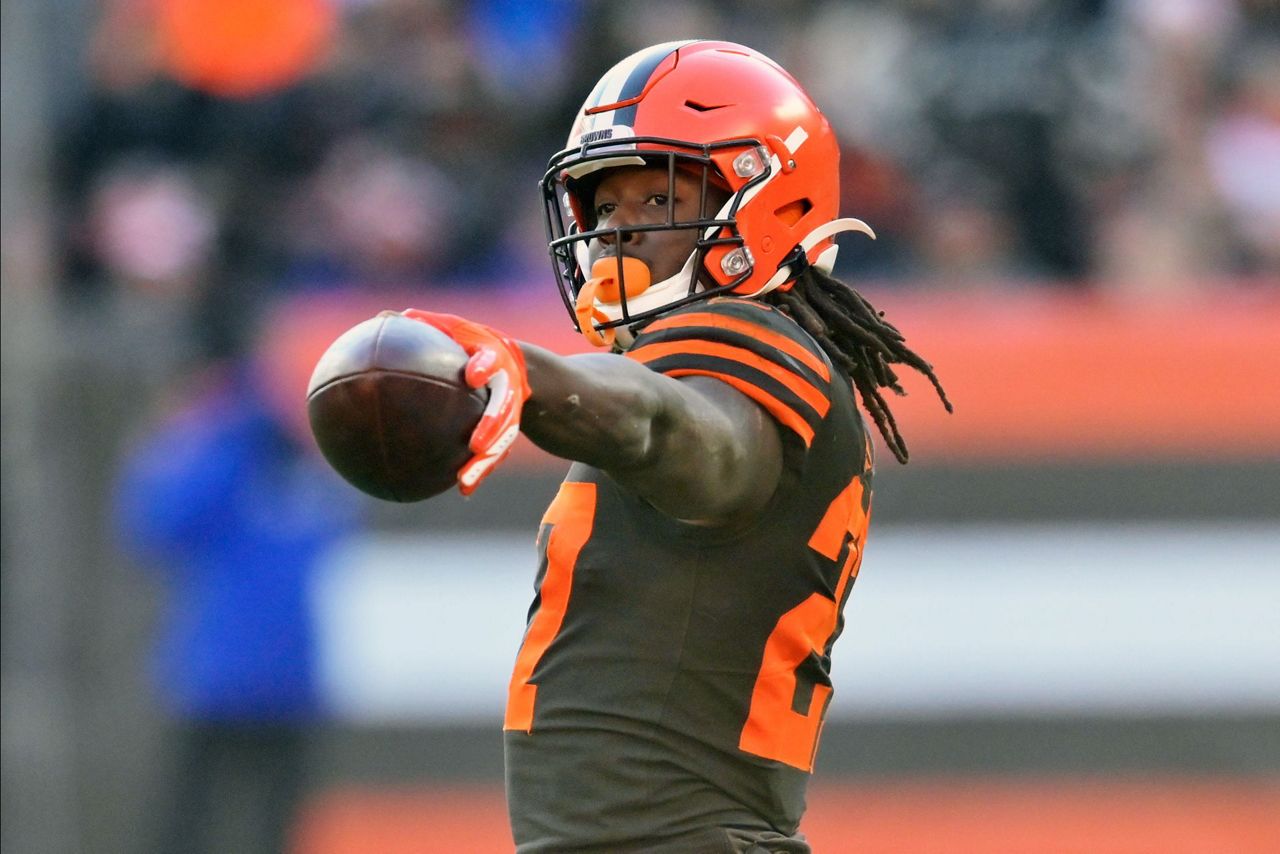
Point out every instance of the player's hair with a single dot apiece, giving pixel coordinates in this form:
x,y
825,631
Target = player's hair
x,y
857,338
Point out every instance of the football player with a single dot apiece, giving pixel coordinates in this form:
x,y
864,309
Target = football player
x,y
674,674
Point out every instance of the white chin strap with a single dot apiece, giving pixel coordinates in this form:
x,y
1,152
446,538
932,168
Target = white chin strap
x,y
677,286
655,296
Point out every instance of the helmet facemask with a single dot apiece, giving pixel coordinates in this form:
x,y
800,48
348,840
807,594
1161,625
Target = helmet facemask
x,y
568,191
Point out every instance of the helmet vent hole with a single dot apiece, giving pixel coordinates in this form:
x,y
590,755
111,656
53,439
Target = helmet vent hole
x,y
793,212
704,108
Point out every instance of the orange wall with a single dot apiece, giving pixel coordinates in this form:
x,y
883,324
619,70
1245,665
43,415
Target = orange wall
x,y
957,816
1066,376
1032,374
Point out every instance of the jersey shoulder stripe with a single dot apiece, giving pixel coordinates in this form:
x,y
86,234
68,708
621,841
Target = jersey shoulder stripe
x,y
715,351
788,416
708,320
753,348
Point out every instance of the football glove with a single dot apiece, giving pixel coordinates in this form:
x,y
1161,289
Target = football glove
x,y
494,360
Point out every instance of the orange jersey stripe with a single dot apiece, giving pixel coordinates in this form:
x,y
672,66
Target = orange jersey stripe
x,y
767,336
779,410
801,387
571,516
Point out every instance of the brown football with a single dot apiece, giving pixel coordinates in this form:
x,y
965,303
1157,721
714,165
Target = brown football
x,y
390,409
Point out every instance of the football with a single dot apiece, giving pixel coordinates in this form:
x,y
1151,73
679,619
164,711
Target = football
x,y
390,409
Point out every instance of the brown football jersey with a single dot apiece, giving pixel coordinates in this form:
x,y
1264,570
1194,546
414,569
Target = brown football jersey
x,y
674,677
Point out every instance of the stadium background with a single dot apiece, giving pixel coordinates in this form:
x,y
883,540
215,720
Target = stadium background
x,y
1064,633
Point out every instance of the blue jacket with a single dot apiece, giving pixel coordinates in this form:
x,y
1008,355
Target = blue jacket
x,y
236,515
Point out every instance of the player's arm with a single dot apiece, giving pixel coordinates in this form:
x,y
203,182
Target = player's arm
x,y
695,448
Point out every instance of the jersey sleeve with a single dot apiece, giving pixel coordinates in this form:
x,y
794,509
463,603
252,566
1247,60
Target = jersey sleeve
x,y
751,346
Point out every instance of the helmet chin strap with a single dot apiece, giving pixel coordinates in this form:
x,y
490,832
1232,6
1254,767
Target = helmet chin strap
x,y
658,294
654,296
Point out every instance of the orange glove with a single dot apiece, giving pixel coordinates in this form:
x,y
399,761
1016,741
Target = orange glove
x,y
496,361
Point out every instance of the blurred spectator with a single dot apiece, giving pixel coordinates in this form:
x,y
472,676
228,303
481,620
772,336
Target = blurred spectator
x,y
146,246
1157,224
151,228
228,500
1243,150
966,238
370,217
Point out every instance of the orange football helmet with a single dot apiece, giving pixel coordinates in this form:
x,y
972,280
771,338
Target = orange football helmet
x,y
747,126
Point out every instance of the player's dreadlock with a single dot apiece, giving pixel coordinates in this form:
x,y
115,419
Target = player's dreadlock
x,y
858,338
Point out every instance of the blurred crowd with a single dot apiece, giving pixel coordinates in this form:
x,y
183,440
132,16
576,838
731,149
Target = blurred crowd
x,y
397,143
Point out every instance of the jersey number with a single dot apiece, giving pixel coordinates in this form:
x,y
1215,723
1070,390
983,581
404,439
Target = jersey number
x,y
569,519
774,729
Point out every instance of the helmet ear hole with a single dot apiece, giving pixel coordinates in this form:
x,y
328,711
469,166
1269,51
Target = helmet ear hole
x,y
793,212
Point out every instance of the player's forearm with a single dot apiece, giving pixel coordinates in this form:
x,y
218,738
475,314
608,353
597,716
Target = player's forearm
x,y
696,450
597,408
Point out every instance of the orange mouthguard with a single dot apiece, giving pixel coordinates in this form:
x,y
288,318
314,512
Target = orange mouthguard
x,y
603,286
635,274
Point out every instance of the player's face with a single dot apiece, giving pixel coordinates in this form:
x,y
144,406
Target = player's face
x,y
640,195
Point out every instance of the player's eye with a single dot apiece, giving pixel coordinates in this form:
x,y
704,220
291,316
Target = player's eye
x,y
604,209
659,199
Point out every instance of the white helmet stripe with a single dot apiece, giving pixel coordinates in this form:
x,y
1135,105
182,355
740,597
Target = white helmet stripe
x,y
613,87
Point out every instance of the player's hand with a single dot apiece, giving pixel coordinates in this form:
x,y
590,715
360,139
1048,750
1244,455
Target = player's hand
x,y
495,360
